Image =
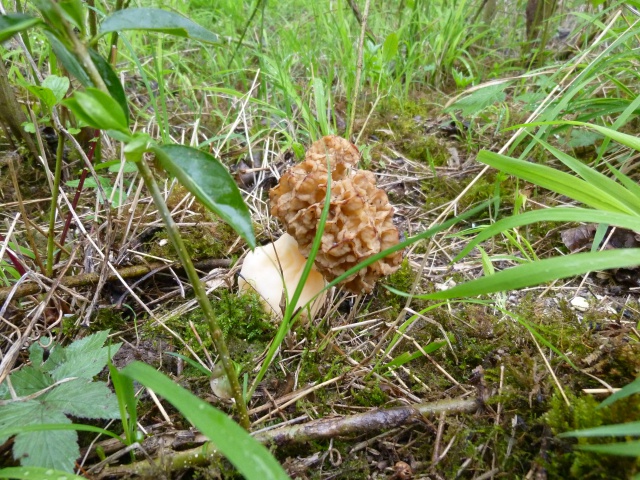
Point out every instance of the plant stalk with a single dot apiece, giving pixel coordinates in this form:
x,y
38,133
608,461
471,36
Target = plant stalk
x,y
54,205
200,292
356,88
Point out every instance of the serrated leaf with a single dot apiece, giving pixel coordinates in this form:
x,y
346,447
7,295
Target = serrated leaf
x,y
112,81
156,20
83,398
68,60
37,473
30,380
20,413
53,448
98,109
84,358
48,448
210,182
480,99
251,458
583,138
15,23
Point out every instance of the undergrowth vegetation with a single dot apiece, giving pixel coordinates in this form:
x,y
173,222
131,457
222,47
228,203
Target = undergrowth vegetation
x,y
137,142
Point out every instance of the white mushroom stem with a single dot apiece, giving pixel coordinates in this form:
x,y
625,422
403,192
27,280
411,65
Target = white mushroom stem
x,y
271,269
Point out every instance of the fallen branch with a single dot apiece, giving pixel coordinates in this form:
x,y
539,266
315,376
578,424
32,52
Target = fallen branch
x,y
322,429
87,279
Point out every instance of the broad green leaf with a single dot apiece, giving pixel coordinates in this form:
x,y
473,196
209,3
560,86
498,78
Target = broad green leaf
x,y
58,85
156,20
251,458
552,179
90,182
52,90
535,273
112,81
15,23
624,392
29,380
75,12
558,214
83,398
618,430
210,182
68,60
98,109
390,47
627,449
37,473
44,94
480,99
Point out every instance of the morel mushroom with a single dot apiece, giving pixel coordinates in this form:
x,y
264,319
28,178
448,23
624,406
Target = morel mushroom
x,y
360,221
274,268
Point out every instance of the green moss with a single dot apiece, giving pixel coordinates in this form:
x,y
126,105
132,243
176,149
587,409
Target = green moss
x,y
201,242
565,461
370,397
245,325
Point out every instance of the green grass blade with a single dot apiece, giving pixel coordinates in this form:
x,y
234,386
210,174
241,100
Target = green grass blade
x,y
251,458
627,449
618,430
536,273
595,178
624,392
552,179
410,241
37,473
629,183
8,432
559,214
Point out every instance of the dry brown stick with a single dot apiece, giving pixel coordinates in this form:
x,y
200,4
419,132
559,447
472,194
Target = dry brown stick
x,y
93,278
326,428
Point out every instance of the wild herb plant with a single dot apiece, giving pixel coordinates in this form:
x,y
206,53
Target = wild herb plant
x,y
58,384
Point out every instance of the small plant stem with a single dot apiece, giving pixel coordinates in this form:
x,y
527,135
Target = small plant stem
x,y
80,50
54,205
200,292
356,88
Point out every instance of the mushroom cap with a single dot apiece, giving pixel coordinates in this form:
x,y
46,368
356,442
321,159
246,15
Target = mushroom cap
x,y
360,221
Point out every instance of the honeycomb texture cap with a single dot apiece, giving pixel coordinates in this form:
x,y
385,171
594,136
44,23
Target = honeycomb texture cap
x,y
360,221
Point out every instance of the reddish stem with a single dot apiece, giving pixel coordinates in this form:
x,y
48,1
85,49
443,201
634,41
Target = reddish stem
x,y
76,197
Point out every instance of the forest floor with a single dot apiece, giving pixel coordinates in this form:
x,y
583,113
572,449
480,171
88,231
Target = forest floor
x,y
482,386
